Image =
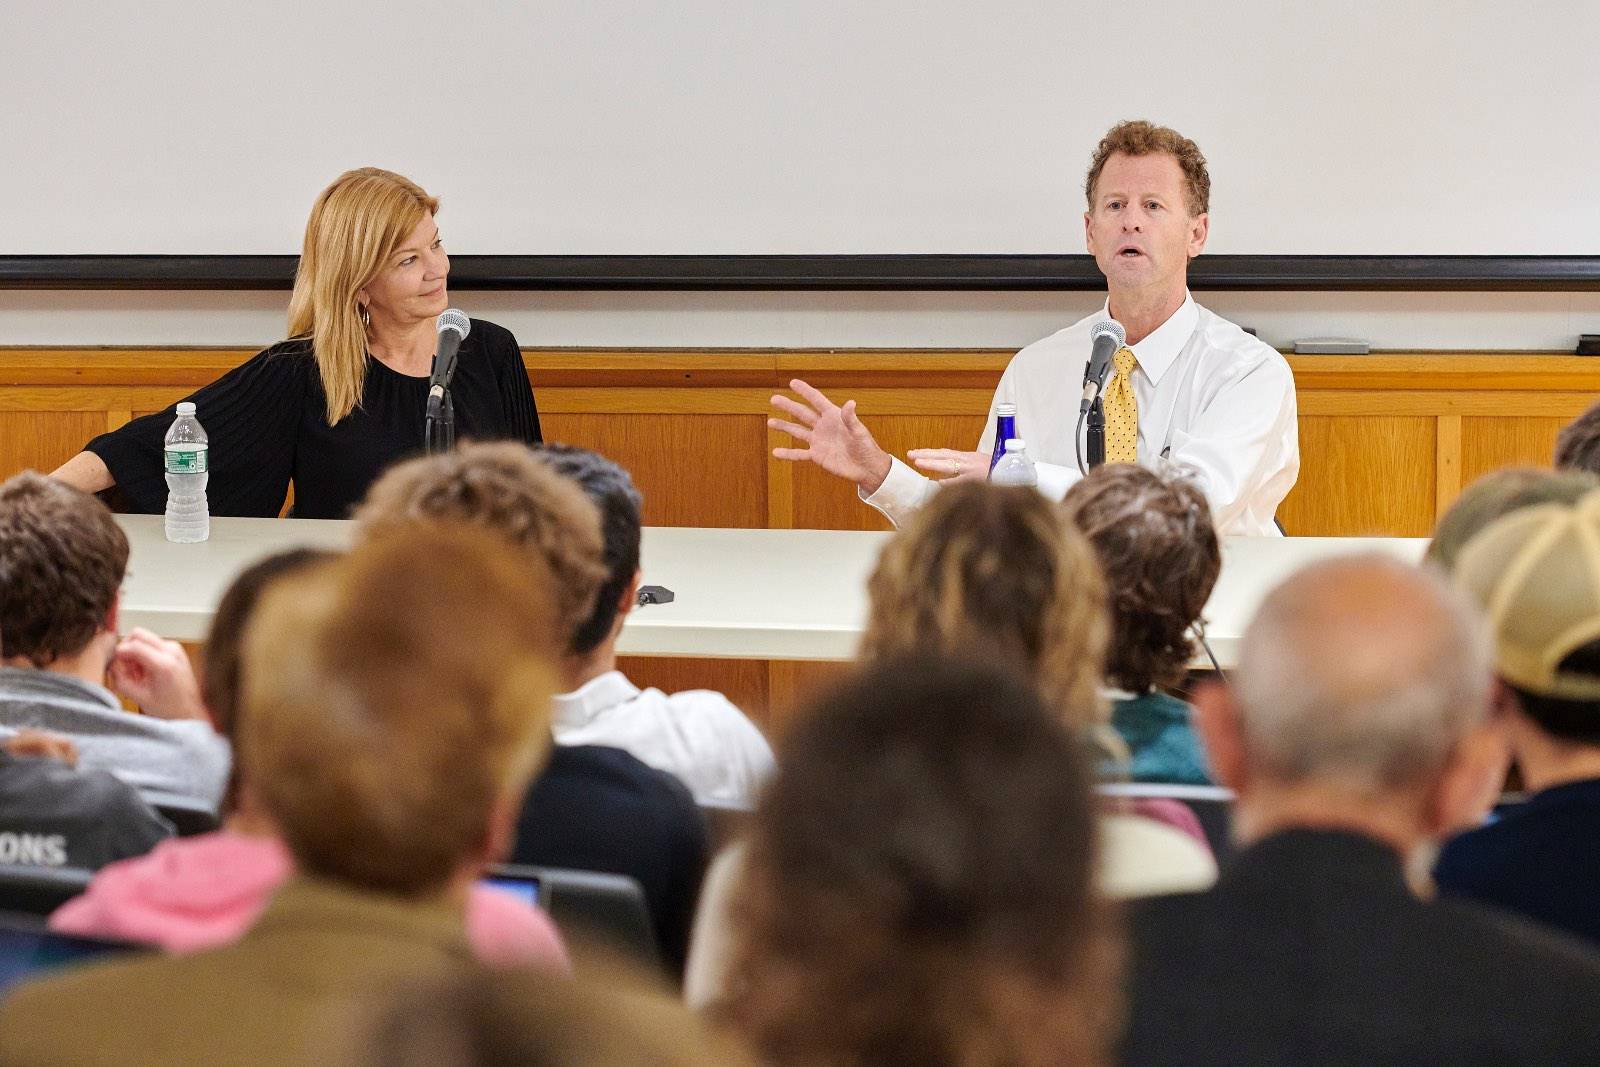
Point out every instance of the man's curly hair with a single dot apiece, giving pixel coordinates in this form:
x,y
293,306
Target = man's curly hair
x,y
502,486
1159,552
1136,137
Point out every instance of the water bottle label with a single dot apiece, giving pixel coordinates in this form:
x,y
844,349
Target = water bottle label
x,y
186,461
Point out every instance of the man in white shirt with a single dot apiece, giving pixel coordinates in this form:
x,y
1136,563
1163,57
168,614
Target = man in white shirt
x,y
1204,397
697,735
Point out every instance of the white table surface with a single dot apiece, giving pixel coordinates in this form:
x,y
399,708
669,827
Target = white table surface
x,y
742,594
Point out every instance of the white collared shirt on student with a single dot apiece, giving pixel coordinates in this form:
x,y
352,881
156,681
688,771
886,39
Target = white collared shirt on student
x,y
697,735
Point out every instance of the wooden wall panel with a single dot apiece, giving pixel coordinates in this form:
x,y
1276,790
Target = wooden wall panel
x,y
1363,476
694,470
43,440
1489,443
743,681
1387,440
793,684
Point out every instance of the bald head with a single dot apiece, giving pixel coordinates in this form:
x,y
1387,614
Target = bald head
x,y
1362,673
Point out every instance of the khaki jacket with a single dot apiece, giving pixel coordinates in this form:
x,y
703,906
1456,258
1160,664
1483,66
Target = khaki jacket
x,y
281,995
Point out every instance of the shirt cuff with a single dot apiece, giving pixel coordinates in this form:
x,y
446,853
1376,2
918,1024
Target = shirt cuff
x,y
903,491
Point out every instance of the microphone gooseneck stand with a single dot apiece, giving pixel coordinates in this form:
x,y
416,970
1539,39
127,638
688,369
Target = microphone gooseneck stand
x,y
439,426
1095,437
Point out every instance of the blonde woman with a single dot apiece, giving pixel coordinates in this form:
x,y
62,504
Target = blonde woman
x,y
344,396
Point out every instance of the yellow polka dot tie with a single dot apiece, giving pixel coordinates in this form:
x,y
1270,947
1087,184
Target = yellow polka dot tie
x,y
1122,411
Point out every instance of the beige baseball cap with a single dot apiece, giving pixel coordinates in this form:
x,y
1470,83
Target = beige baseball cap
x,y
1536,574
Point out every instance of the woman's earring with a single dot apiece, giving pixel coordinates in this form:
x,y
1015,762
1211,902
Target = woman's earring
x,y
366,316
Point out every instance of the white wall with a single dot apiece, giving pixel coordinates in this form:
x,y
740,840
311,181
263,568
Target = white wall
x,y
834,126
711,126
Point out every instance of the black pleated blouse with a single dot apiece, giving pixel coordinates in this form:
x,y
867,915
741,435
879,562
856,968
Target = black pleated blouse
x,y
267,423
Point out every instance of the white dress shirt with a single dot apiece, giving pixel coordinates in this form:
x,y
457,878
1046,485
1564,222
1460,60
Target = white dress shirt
x,y
697,735
1214,402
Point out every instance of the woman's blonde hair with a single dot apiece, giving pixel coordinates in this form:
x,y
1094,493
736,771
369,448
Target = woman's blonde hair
x,y
996,574
356,224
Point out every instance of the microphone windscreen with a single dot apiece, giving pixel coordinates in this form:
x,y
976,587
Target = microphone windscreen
x,y
457,321
1107,328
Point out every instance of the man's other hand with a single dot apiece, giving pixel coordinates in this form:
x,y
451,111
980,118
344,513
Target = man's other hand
x,y
155,674
835,439
950,465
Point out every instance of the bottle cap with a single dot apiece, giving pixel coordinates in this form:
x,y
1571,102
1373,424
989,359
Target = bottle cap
x,y
186,408
1005,409
1014,444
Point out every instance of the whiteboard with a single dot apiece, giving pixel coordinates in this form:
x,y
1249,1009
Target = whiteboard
x,y
716,127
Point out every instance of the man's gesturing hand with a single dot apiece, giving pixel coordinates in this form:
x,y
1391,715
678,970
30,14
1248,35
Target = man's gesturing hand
x,y
835,439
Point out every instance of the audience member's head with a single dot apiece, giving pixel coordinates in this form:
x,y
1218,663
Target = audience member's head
x,y
1578,444
525,1018
920,881
612,491
991,573
1500,493
1361,698
505,487
396,704
221,673
1160,555
1537,575
62,560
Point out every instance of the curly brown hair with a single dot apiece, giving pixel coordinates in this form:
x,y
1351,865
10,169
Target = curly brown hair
x,y
505,487
1159,551
920,883
1136,137
993,572
62,560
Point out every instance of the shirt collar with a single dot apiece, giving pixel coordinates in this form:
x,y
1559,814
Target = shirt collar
x,y
1159,351
593,698
43,680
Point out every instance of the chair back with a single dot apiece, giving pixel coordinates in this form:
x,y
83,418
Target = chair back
x,y
188,822
606,910
1211,804
39,890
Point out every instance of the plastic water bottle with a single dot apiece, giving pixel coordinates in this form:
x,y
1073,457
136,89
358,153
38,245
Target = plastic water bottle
x,y
1015,468
1005,428
186,460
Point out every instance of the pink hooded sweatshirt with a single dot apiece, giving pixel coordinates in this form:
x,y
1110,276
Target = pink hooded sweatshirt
x,y
193,893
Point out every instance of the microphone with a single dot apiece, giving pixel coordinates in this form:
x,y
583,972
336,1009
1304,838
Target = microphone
x,y
453,327
1108,336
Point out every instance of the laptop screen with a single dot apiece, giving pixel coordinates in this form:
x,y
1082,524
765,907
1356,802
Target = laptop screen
x,y
524,886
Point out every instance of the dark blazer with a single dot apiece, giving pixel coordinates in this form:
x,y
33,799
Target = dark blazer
x,y
598,808
1311,950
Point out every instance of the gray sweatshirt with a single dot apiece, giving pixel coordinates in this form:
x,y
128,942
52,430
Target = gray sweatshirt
x,y
171,763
